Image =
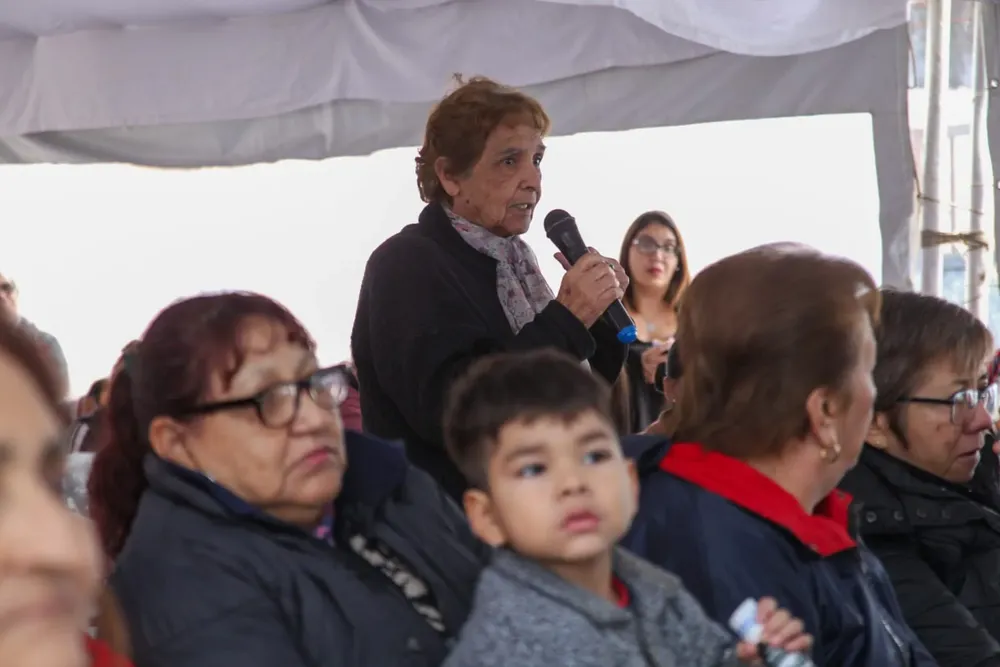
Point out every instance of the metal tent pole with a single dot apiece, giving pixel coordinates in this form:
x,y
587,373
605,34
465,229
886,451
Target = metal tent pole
x,y
936,71
976,268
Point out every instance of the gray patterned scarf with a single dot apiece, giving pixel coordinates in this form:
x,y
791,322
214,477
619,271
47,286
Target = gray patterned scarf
x,y
521,288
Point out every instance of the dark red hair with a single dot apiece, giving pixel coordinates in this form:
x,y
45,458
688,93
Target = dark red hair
x,y
167,373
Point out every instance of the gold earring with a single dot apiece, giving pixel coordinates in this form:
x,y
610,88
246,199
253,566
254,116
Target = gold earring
x,y
830,454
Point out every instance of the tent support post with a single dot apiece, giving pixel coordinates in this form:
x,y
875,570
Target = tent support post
x,y
936,75
976,268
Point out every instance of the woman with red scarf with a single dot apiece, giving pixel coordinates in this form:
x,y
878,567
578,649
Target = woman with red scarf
x,y
50,566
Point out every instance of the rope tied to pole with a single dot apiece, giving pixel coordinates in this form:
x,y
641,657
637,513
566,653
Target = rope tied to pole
x,y
972,240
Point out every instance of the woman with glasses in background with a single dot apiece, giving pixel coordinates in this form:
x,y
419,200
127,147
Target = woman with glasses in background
x,y
246,527
936,531
654,259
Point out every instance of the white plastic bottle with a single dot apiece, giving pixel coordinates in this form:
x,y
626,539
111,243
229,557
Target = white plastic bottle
x,y
744,624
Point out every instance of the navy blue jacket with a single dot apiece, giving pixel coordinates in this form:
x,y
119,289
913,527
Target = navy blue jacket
x,y
205,580
730,533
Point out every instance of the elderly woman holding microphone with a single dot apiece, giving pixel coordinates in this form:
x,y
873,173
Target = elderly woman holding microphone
x,y
461,283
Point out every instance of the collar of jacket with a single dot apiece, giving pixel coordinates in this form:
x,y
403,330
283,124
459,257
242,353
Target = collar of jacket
x,y
102,656
649,588
375,469
435,223
899,475
827,531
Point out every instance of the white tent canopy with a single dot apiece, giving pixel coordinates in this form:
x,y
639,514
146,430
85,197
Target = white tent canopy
x,y
187,83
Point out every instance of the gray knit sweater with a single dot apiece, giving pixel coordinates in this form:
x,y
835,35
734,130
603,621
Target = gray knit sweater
x,y
526,616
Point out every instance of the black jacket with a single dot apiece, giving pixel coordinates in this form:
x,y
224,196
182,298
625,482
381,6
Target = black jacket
x,y
206,581
428,308
940,544
645,400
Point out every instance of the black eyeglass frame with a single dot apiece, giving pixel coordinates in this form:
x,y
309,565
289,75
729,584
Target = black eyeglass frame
x,y
956,401
652,247
313,385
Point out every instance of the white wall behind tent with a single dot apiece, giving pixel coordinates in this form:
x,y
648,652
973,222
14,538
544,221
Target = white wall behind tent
x,y
98,250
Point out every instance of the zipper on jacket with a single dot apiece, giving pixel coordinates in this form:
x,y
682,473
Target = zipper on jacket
x,y
897,643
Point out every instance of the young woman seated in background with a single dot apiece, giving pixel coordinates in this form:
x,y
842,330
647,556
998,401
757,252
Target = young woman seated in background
x,y
653,256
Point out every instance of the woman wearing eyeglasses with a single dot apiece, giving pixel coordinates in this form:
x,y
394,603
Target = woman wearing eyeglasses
x,y
936,532
653,257
246,527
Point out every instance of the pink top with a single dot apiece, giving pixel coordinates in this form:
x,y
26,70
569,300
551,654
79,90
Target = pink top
x,y
350,410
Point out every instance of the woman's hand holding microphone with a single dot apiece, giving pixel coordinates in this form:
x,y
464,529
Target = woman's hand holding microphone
x,y
653,358
590,286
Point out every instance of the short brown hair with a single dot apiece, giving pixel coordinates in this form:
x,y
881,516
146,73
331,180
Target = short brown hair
x,y
762,329
504,388
915,331
680,281
459,125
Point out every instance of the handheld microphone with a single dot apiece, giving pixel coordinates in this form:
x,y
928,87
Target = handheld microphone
x,y
561,229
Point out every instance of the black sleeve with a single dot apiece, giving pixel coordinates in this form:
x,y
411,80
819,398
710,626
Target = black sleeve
x,y
251,635
423,333
428,493
943,624
609,357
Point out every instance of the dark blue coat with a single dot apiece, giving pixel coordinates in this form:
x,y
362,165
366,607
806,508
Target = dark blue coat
x,y
205,580
731,534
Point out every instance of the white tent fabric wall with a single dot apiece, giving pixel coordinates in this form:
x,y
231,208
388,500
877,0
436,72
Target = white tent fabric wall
x,y
187,83
991,40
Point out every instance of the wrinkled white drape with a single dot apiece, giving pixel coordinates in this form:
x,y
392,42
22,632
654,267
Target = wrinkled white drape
x,y
186,83
88,64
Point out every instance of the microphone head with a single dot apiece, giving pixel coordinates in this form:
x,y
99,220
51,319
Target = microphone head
x,y
554,217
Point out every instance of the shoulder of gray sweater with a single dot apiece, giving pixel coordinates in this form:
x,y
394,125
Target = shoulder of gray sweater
x,y
637,571
686,630
514,625
493,635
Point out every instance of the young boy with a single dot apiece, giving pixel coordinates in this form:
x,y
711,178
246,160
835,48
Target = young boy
x,y
550,488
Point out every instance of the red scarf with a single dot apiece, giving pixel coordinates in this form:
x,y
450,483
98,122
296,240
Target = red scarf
x,y
101,655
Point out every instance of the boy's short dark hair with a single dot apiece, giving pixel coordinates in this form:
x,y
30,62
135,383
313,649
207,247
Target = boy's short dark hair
x,y
509,387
